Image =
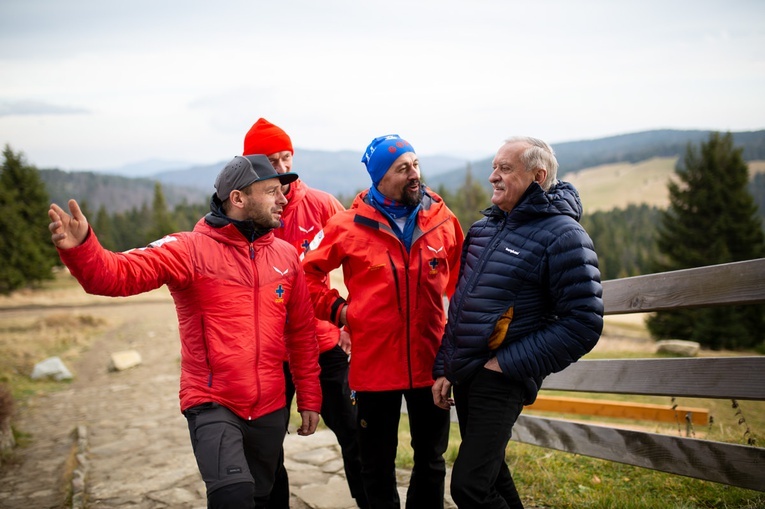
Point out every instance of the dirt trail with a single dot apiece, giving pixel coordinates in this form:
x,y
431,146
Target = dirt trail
x,y
138,454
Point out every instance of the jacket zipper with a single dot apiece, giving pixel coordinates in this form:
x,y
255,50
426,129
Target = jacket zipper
x,y
207,355
256,287
406,310
491,246
398,298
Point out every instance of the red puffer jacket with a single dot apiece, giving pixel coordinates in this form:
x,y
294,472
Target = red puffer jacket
x,y
242,306
306,213
395,299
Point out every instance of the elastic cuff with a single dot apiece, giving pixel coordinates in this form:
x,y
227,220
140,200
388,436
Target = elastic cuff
x,y
335,311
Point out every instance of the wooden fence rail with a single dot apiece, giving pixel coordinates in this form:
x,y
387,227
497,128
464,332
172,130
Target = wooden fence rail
x,y
720,377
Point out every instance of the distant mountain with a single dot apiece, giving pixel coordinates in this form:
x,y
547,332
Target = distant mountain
x,y
626,148
340,172
147,168
114,193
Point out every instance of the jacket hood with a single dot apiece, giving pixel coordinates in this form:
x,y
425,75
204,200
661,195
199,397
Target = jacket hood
x,y
561,200
295,194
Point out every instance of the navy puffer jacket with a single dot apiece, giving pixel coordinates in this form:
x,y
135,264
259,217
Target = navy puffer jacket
x,y
529,292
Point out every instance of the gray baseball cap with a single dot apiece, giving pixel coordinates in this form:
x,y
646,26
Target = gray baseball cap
x,y
242,171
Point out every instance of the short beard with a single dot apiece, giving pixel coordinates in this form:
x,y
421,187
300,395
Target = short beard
x,y
411,198
261,218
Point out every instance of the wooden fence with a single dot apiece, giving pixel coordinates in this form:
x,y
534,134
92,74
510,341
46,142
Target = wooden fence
x,y
740,378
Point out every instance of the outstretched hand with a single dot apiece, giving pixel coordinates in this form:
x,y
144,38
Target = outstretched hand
x,y
66,230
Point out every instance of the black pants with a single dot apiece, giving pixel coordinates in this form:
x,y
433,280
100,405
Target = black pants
x,y
339,414
237,458
379,415
488,404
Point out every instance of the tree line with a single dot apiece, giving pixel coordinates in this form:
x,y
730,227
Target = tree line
x,y
712,218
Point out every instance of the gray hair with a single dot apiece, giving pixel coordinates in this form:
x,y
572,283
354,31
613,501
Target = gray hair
x,y
538,155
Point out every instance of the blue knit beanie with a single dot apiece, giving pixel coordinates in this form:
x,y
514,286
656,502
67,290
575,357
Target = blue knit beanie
x,y
381,153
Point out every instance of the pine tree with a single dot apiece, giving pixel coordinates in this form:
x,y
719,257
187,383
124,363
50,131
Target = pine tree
x,y
162,222
475,198
25,246
624,239
103,227
711,219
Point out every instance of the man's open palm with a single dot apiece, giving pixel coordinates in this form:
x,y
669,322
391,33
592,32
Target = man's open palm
x,y
66,230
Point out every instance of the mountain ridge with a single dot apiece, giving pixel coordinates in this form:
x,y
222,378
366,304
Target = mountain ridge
x,y
341,173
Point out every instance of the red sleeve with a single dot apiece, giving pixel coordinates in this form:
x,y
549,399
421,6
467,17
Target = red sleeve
x,y
323,256
302,347
102,272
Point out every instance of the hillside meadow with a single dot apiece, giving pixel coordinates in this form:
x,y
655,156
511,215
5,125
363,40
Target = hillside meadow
x,y
610,186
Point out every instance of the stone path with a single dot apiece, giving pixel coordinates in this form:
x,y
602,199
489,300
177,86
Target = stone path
x,y
118,440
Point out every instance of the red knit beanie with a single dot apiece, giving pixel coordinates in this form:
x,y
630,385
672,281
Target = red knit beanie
x,y
266,138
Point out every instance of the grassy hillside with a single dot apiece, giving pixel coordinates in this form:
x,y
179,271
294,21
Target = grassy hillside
x,y
617,185
611,186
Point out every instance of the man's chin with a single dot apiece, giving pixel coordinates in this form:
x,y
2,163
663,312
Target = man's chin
x,y
411,197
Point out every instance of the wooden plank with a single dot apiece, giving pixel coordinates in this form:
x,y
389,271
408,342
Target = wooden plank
x,y
620,409
732,464
725,284
707,377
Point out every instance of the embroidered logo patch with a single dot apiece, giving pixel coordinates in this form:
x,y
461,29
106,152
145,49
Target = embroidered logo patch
x,y
279,294
233,470
433,266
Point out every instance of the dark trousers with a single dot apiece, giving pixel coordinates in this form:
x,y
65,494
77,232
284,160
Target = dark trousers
x,y
237,458
339,414
379,415
488,404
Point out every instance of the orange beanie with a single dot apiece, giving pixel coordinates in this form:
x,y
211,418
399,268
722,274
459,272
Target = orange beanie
x,y
266,138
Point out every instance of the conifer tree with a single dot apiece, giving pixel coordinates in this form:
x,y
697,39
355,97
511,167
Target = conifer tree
x,y
475,198
103,227
25,247
712,219
162,222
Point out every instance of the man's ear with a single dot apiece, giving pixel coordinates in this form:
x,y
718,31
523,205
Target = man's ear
x,y
236,197
540,176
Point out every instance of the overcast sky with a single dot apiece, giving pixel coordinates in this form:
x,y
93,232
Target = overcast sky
x,y
92,84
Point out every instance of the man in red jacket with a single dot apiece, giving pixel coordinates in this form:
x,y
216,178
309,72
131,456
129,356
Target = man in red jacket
x,y
306,212
399,246
242,306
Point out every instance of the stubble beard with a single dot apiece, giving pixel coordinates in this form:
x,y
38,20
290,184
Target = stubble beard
x,y
264,219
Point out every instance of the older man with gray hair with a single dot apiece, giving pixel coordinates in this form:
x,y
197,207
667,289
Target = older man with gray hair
x,y
527,304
